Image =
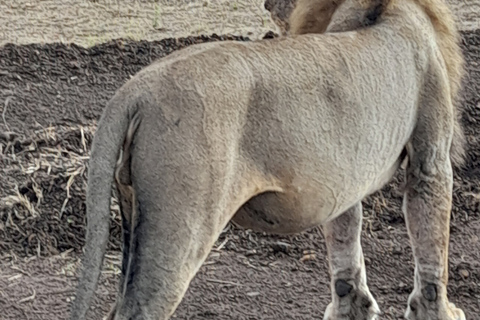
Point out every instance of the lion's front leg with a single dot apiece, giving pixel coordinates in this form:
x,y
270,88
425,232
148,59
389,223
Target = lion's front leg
x,y
427,207
351,298
428,200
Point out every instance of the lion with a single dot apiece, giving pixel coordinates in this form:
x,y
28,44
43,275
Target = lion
x,y
280,136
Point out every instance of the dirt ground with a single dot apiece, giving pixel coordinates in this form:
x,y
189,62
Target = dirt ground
x,y
50,98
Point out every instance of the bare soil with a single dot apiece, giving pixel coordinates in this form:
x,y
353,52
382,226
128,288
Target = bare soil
x,y
50,98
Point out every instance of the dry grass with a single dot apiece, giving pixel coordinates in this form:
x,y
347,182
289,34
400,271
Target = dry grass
x,y
42,154
44,172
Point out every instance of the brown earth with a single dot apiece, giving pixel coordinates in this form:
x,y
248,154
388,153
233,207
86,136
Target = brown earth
x,y
51,96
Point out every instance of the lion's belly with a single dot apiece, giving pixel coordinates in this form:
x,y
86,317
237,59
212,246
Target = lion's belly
x,y
290,212
311,198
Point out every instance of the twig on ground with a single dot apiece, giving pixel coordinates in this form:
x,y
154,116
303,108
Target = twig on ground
x,y
7,101
20,270
221,245
30,298
225,282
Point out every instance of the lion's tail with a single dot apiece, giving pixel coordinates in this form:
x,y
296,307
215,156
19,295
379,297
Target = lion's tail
x,y
107,143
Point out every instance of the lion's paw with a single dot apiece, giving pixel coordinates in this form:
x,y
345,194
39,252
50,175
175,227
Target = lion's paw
x,y
349,304
457,313
423,306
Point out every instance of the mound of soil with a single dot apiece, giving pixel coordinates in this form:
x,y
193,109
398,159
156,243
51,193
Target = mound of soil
x,y
52,96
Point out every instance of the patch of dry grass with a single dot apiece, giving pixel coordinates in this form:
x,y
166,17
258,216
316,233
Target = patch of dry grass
x,y
45,177
42,154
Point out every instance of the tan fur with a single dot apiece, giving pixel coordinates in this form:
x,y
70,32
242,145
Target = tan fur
x,y
281,135
448,39
313,16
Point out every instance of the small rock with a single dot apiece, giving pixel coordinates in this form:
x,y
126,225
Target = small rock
x,y
281,247
397,250
475,238
308,257
464,273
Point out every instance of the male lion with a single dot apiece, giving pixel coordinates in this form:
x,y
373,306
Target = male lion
x,y
282,135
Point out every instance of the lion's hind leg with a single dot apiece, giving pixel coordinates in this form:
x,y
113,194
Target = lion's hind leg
x,y
351,298
171,242
177,216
